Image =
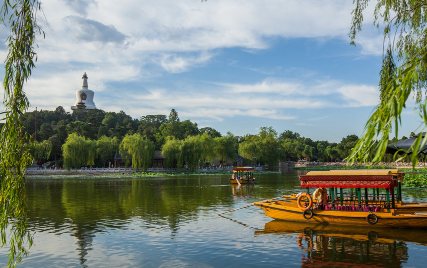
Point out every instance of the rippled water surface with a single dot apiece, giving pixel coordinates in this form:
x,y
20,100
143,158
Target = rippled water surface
x,y
173,222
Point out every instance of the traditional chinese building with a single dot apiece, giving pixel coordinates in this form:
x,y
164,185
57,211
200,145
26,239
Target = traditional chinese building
x,y
84,97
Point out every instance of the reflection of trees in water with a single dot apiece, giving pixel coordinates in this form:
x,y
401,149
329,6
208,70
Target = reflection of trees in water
x,y
87,207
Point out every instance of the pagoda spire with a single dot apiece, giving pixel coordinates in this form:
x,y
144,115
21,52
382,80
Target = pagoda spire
x,y
84,80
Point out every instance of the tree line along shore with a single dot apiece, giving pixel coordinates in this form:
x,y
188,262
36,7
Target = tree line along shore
x,y
94,137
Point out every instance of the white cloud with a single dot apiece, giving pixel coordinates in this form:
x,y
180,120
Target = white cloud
x,y
178,64
111,32
360,95
123,41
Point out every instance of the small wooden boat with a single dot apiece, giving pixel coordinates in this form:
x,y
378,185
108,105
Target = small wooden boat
x,y
243,175
349,201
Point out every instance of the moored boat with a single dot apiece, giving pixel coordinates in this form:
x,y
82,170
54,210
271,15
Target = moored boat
x,y
243,175
350,197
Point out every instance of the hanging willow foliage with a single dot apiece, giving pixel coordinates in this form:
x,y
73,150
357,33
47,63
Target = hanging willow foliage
x,y
42,149
20,17
140,149
191,151
78,151
405,30
171,151
387,114
105,148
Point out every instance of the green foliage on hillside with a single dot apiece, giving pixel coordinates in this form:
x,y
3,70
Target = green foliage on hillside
x,y
182,143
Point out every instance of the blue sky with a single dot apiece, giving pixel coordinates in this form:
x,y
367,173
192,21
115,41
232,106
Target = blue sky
x,y
231,65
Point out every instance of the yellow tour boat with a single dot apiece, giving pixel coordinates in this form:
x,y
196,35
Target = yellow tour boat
x,y
243,175
350,197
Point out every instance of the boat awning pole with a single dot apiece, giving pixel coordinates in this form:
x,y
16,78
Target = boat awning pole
x,y
366,196
399,192
373,194
359,197
387,191
392,198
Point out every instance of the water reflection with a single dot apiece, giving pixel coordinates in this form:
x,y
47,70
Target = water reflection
x,y
164,221
327,245
243,190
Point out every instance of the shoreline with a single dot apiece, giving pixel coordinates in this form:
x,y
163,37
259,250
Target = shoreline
x,y
120,175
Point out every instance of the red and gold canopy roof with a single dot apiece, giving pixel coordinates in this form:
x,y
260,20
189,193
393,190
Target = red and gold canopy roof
x,y
352,178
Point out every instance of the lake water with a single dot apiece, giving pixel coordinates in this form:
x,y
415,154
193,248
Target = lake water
x,y
173,222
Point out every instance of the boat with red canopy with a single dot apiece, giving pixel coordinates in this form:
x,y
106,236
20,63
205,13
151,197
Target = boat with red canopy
x,y
350,197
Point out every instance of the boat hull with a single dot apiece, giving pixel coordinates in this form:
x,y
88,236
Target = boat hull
x,y
242,181
280,211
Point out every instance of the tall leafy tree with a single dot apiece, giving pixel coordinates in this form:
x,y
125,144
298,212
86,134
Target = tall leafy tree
x,y
208,143
149,125
140,149
78,151
308,152
172,127
171,151
210,131
249,148
106,147
191,151
225,147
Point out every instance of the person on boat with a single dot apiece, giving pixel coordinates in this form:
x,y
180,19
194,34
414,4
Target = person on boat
x,y
320,196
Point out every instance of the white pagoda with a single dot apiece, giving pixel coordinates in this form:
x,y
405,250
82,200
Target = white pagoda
x,y
84,97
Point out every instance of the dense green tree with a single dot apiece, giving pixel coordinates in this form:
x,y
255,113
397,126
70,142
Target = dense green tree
x,y
172,127
321,152
106,147
78,151
249,148
95,117
141,150
186,129
287,134
82,129
61,131
208,143
41,150
269,146
308,152
171,151
210,131
225,147
149,125
45,132
56,148
110,120
346,145
191,151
